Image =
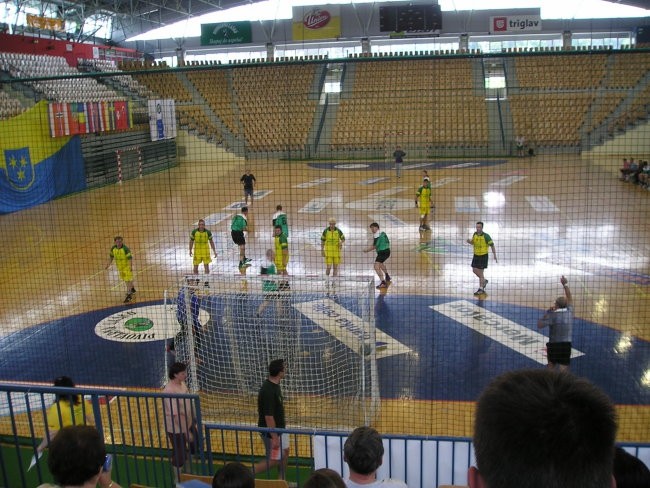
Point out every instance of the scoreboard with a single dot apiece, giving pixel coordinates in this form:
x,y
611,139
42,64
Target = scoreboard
x,y
410,18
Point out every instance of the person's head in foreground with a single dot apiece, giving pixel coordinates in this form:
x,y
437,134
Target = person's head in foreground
x,y
324,478
233,475
543,429
77,456
363,451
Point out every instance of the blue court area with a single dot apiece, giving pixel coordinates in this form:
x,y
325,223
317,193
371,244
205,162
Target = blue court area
x,y
428,347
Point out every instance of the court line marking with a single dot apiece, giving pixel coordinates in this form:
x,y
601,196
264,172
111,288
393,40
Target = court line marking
x,y
349,328
541,204
466,205
510,334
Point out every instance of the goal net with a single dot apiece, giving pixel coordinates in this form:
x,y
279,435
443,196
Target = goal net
x,y
416,144
324,330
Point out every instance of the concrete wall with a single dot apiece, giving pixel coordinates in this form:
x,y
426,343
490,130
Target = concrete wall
x,y
194,149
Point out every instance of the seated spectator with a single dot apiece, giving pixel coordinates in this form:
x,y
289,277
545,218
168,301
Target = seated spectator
x,y
364,453
644,177
78,459
634,177
233,475
631,168
629,471
324,478
543,428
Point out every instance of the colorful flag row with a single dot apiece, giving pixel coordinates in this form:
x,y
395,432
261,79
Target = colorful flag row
x,y
68,119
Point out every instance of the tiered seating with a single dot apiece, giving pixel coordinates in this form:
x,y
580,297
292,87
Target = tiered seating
x,y
193,117
9,107
68,90
276,114
628,68
550,118
638,109
603,107
127,81
213,86
560,71
164,85
430,102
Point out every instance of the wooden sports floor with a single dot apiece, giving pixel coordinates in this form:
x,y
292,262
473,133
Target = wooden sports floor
x,y
549,215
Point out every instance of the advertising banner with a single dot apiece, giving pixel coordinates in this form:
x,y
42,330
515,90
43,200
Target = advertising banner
x,y
226,33
515,23
316,22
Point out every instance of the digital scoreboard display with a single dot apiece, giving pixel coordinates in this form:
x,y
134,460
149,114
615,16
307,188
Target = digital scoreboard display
x,y
410,18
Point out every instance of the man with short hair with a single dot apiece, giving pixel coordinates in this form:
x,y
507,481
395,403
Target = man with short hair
x,y
200,238
248,180
123,261
381,244
78,458
542,428
399,159
481,241
424,201
280,218
559,320
270,409
281,247
364,453
238,225
331,242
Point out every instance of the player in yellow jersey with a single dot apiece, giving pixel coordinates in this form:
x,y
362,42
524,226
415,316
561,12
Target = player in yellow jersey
x,y
281,250
424,201
200,238
481,241
123,257
332,241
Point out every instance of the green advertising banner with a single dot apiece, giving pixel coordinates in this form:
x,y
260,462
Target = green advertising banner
x,y
226,33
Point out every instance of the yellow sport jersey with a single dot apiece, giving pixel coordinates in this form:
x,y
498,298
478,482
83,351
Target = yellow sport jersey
x,y
201,247
280,244
122,256
69,416
481,243
424,195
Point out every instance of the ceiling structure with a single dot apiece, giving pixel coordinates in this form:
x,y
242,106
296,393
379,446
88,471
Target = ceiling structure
x,y
132,17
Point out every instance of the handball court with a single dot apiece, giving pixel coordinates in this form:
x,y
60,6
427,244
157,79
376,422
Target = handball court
x,y
548,216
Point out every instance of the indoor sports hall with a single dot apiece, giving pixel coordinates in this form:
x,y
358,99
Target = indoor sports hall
x,y
144,151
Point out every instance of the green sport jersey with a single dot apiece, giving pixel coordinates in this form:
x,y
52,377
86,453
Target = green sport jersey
x,y
381,242
238,223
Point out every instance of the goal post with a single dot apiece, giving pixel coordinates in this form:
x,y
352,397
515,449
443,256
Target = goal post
x,y
129,163
325,331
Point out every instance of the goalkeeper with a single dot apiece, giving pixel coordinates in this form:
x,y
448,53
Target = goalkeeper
x,y
269,287
332,241
424,201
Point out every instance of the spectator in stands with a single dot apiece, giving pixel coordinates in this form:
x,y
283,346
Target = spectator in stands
x,y
520,142
270,408
629,471
644,177
635,177
180,423
541,428
65,411
632,167
624,169
78,459
364,453
324,478
233,475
